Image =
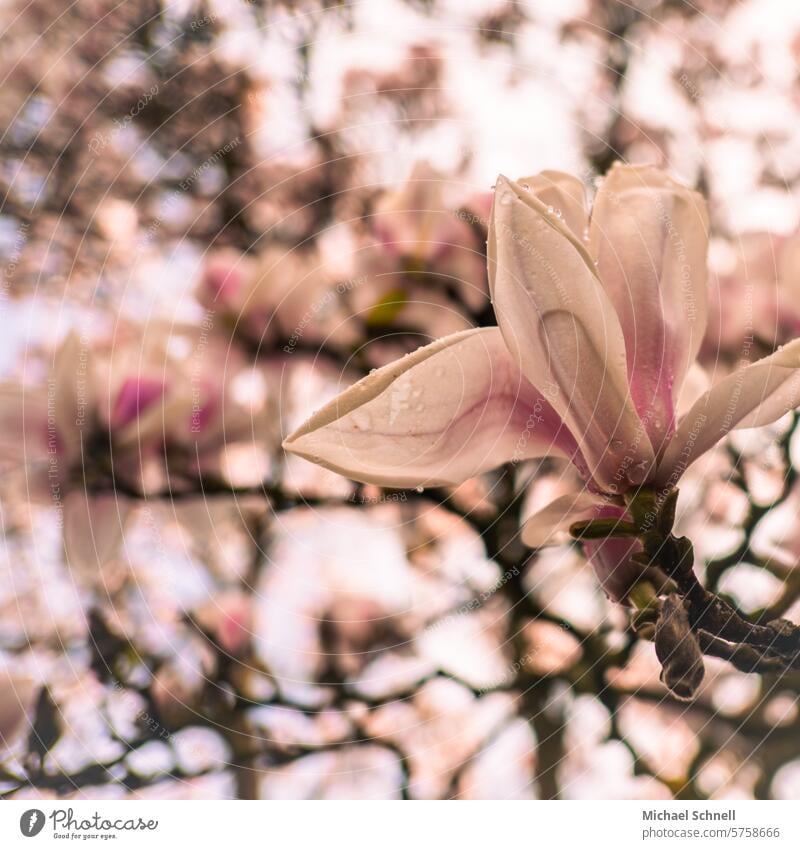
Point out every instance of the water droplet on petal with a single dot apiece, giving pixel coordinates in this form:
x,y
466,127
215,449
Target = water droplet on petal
x,y
398,399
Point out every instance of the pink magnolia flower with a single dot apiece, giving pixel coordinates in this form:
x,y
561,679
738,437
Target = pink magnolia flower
x,y
148,397
423,240
600,319
229,617
278,296
756,294
420,259
45,418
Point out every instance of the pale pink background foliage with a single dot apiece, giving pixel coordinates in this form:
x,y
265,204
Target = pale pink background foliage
x,y
215,216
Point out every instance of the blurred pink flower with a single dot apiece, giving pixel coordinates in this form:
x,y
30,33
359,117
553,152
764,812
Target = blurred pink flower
x,y
42,423
416,261
283,295
135,396
149,392
757,294
422,257
599,322
229,617
422,237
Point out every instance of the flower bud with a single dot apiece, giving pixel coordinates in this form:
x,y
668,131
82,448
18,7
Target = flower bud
x,y
682,668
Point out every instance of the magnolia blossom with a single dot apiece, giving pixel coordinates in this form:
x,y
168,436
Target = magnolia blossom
x,y
229,617
757,293
599,321
282,295
145,409
423,255
415,262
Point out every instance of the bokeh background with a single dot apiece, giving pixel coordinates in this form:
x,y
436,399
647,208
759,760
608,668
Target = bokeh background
x,y
215,215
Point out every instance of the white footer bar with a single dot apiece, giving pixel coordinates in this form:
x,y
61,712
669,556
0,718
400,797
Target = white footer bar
x,y
400,825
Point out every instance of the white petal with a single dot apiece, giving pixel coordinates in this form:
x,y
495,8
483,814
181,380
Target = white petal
x,y
695,384
71,399
450,410
23,424
750,397
649,236
551,524
559,324
409,219
94,526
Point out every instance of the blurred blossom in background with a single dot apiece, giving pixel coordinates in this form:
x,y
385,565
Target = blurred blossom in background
x,y
215,216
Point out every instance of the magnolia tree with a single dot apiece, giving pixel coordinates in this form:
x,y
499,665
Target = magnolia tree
x,y
330,469
600,320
